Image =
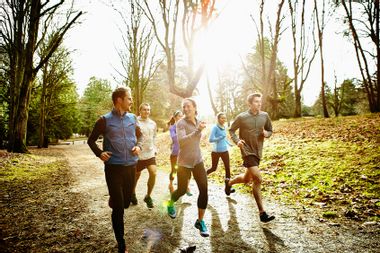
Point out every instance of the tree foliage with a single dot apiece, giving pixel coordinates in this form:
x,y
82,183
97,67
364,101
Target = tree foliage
x,y
62,114
23,26
344,99
95,102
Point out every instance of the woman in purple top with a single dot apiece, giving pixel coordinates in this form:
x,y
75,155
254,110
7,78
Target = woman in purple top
x,y
177,115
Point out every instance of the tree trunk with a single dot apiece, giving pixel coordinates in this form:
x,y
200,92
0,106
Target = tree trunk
x,y
20,122
373,101
377,38
262,57
211,98
297,110
41,137
297,92
320,28
324,101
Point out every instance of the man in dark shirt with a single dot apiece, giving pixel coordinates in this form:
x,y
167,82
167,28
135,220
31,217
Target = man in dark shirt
x,y
121,145
254,125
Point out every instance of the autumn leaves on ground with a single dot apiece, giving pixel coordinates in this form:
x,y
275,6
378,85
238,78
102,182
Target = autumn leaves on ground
x,y
328,167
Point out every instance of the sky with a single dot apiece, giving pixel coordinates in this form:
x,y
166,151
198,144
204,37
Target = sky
x,y
233,33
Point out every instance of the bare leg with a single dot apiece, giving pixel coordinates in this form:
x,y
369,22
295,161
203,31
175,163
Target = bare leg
x,y
242,178
138,174
171,187
152,169
256,186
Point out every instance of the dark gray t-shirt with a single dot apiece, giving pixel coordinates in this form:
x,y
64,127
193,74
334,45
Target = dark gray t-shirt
x,y
251,131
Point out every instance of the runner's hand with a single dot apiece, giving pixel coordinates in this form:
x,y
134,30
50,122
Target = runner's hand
x,y
241,143
202,125
136,150
105,156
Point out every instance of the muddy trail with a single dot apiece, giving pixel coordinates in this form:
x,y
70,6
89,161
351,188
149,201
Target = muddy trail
x,y
81,222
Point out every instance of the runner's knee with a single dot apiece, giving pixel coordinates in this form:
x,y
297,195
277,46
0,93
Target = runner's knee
x,y
257,179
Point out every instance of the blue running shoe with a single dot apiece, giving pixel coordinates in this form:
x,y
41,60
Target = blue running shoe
x,y
202,228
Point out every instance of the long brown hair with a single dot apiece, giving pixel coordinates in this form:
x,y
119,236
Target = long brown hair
x,y
172,119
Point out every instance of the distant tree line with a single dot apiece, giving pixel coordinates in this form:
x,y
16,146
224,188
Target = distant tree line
x,y
38,99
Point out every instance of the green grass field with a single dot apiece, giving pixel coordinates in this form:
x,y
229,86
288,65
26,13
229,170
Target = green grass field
x,y
332,164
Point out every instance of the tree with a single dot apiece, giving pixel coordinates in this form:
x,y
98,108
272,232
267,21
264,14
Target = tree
x,y
138,58
363,21
317,108
302,57
345,98
268,59
163,103
192,24
320,20
252,83
23,25
4,100
95,102
62,115
55,79
228,98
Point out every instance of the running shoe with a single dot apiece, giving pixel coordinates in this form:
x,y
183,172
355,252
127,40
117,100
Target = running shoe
x,y
201,226
149,201
134,199
264,217
227,188
171,210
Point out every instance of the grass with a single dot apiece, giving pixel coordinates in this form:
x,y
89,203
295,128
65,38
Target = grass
x,y
28,167
333,164
331,161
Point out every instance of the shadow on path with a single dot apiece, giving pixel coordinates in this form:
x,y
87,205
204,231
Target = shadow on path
x,y
154,230
229,240
273,240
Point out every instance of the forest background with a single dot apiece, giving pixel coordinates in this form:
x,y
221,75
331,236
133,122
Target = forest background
x,y
177,47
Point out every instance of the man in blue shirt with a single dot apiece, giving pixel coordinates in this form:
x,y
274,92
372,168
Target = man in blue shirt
x,y
121,145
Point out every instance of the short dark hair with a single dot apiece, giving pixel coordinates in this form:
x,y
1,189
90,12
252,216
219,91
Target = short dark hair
x,y
120,93
253,95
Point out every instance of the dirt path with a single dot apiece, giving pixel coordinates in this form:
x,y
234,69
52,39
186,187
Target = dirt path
x,y
232,221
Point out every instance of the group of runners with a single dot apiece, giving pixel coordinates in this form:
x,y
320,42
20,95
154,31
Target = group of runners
x,y
129,148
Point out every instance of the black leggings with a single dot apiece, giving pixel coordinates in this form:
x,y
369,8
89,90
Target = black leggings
x,y
173,164
200,176
215,159
120,182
